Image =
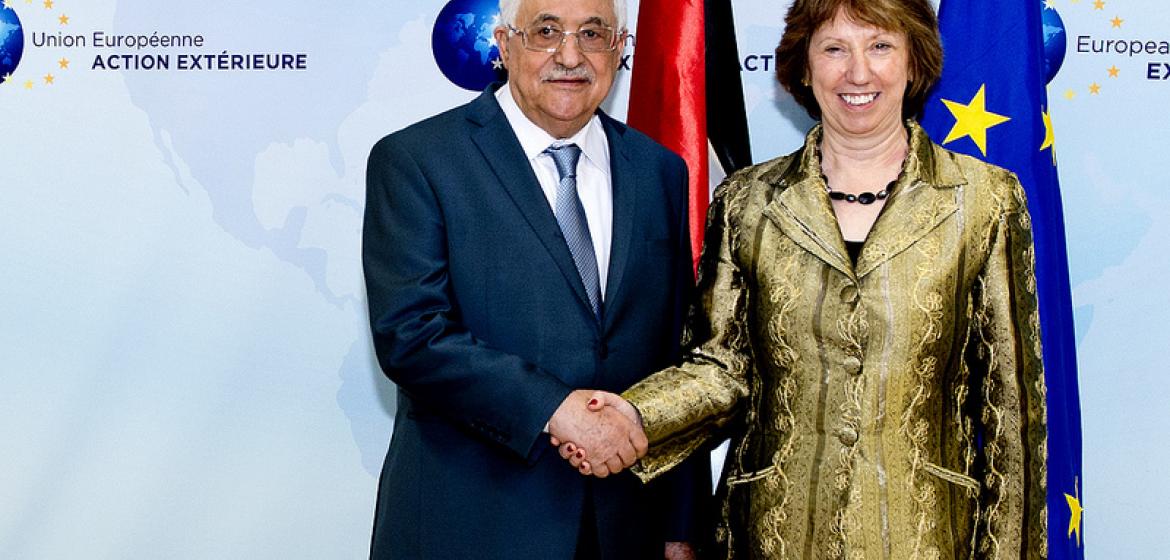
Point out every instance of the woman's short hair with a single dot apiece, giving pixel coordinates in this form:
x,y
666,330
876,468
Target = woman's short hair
x,y
915,18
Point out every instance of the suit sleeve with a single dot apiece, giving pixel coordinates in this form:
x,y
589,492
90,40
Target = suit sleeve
x,y
420,342
684,493
683,407
1009,362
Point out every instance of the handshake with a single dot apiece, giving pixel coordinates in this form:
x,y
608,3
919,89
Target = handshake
x,y
598,433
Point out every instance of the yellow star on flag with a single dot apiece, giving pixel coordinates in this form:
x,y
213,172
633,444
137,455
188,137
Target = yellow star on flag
x,y
1050,4
63,63
1094,88
8,4
1116,21
7,77
28,84
1113,70
1099,5
48,79
973,120
1069,94
1075,511
48,4
64,19
1049,136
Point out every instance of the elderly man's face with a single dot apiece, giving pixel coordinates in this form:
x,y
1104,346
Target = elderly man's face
x,y
559,91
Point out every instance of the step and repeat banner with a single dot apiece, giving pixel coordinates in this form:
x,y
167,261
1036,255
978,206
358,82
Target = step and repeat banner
x,y
185,367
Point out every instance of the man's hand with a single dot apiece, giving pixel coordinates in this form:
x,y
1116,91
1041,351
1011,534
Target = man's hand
x,y
583,421
591,462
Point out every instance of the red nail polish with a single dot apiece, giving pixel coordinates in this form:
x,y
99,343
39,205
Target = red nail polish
x,y
592,402
580,455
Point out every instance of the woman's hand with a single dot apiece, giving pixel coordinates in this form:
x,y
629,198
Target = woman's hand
x,y
579,458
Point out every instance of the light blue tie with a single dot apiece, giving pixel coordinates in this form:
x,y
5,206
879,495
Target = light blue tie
x,y
571,217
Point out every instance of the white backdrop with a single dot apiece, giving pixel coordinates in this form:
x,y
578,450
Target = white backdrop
x,y
185,370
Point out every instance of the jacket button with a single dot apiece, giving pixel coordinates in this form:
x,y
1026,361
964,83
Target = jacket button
x,y
853,365
849,294
847,435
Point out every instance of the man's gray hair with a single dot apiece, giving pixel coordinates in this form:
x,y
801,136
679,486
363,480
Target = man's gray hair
x,y
510,9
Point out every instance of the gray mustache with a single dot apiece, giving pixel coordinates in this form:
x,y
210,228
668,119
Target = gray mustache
x,y
562,73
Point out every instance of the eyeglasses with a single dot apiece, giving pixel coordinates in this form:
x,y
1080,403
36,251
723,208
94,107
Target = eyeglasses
x,y
543,37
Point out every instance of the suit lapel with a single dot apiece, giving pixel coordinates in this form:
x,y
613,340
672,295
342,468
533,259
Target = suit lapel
x,y
498,144
925,196
802,209
624,182
803,213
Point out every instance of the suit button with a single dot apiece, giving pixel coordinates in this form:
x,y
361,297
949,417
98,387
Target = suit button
x,y
849,293
847,435
853,365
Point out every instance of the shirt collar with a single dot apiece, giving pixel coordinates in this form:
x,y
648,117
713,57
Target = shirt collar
x,y
534,140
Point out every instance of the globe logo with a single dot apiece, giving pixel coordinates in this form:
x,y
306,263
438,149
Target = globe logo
x,y
11,43
1055,42
463,45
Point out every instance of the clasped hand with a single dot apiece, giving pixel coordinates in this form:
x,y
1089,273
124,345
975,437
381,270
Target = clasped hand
x,y
599,433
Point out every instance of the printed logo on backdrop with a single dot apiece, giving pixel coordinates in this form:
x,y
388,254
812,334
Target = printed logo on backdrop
x,y
1122,55
465,48
11,42
45,27
463,45
1055,45
1055,40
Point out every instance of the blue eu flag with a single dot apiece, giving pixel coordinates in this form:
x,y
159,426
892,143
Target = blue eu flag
x,y
991,104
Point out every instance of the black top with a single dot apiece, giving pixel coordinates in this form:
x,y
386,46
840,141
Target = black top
x,y
854,248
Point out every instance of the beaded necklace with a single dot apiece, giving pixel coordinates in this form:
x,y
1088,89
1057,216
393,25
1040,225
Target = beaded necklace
x,y
863,198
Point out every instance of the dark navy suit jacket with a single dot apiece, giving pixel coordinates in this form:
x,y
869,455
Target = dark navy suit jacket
x,y
479,316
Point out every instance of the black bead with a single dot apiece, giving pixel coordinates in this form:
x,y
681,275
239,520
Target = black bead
x,y
863,198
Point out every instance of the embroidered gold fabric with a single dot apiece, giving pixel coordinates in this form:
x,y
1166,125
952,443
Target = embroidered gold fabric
x,y
892,410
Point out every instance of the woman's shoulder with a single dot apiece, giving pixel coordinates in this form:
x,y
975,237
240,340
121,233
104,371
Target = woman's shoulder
x,y
990,184
759,172
745,193
757,179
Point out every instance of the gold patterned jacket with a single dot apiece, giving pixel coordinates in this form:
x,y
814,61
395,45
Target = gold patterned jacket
x,y
888,410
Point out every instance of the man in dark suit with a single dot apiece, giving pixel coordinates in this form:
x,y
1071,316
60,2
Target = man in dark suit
x,y
519,250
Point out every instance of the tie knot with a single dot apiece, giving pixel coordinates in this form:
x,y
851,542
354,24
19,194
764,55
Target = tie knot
x,y
565,156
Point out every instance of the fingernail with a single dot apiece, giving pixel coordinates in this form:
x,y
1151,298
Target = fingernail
x,y
592,402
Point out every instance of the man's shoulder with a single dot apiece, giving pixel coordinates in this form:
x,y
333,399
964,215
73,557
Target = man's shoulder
x,y
434,129
638,143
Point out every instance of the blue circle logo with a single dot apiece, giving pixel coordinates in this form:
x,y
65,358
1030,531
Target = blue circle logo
x,y
463,44
11,43
1055,42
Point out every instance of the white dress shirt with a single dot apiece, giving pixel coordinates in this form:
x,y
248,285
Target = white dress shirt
x,y
594,184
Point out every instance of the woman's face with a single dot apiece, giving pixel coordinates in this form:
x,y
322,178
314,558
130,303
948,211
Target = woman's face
x,y
858,75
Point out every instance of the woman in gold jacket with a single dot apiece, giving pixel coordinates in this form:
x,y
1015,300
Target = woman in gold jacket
x,y
867,328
